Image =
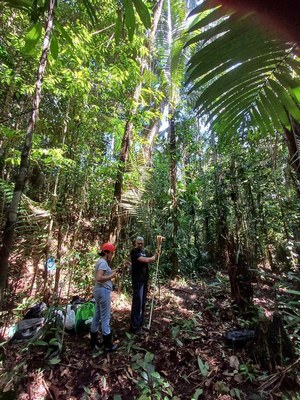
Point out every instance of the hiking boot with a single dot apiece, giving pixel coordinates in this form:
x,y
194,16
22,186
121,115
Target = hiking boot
x,y
94,340
108,344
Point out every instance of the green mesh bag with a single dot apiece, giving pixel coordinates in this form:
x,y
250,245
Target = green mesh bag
x,y
84,316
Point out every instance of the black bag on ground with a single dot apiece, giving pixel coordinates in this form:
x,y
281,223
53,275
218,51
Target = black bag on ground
x,y
238,338
36,311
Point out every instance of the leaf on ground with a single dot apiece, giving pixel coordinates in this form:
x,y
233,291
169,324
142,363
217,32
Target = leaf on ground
x,y
227,373
234,362
238,378
65,371
95,365
55,392
54,361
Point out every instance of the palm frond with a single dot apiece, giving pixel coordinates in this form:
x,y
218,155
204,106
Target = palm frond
x,y
241,74
32,219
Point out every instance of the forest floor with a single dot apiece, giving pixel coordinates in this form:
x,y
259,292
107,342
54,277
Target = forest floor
x,y
183,356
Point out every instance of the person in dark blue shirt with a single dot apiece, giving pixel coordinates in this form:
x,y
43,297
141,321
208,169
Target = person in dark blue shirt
x,y
140,277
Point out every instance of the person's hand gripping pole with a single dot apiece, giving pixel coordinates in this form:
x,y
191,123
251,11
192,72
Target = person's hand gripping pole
x,y
159,240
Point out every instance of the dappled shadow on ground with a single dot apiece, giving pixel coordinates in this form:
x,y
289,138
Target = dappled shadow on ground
x,y
182,356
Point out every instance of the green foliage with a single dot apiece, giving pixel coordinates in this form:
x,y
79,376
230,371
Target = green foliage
x,y
291,397
152,385
10,378
197,394
33,37
236,393
51,158
242,76
289,305
203,367
82,267
130,7
248,371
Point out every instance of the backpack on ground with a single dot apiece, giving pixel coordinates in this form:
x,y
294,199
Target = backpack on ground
x,y
27,329
84,317
36,311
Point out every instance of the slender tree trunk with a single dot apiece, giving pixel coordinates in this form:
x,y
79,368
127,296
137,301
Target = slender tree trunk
x,y
222,252
291,259
150,133
253,244
54,203
174,202
292,139
8,235
115,222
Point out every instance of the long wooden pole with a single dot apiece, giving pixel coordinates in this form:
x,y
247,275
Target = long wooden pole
x,y
159,242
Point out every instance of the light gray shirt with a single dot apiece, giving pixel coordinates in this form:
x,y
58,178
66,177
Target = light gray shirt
x,y
101,264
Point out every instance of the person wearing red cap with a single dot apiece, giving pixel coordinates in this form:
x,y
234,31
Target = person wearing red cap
x,y
102,289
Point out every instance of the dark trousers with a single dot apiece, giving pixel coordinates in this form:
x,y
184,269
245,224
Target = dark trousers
x,y
139,298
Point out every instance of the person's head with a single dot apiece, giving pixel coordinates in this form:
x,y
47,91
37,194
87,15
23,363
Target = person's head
x,y
107,250
139,242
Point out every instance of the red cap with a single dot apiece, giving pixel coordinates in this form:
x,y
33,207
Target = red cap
x,y
108,247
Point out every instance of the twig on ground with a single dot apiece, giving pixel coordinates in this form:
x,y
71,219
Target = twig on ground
x,y
278,376
47,389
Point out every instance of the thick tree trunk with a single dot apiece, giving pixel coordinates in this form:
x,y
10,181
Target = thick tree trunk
x,y
8,235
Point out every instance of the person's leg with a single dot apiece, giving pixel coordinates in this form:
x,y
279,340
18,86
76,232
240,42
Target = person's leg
x,y
144,300
136,307
105,321
96,321
96,318
105,311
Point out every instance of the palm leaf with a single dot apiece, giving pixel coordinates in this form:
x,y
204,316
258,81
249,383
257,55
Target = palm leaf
x,y
31,223
241,75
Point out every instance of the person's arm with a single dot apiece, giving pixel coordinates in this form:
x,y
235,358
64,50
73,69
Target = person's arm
x,y
101,278
146,259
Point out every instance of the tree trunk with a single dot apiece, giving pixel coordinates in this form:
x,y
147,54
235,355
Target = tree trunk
x,y
150,134
114,221
292,138
54,202
8,234
173,187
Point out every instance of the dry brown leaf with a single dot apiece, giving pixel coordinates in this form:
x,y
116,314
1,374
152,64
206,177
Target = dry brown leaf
x,y
238,378
227,373
104,366
64,372
208,382
95,365
55,392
